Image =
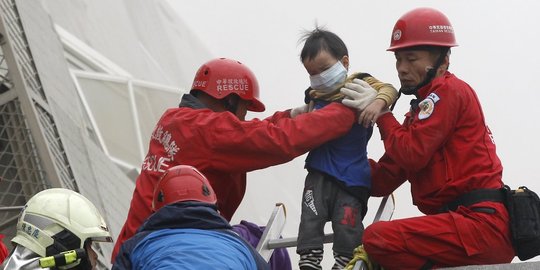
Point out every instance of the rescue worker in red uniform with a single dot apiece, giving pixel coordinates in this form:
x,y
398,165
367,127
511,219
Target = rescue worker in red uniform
x,y
447,153
3,249
209,132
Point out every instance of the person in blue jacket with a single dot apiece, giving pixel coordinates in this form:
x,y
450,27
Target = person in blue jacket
x,y
186,231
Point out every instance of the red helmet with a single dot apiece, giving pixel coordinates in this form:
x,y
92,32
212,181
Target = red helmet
x,y
222,77
182,183
422,26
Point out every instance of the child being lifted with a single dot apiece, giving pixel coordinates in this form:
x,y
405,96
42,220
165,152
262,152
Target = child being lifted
x,y
337,186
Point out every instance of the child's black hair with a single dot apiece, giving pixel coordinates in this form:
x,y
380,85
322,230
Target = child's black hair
x,y
319,40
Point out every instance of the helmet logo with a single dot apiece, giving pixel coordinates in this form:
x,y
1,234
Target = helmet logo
x,y
199,84
441,29
28,229
237,85
397,34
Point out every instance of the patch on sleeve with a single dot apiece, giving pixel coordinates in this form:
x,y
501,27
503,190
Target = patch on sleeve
x,y
427,106
434,97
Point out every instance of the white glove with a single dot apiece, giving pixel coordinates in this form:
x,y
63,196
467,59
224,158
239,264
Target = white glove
x,y
299,110
358,94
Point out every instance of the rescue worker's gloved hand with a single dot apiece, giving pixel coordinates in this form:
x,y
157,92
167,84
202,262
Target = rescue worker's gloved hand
x,y
359,254
358,94
299,110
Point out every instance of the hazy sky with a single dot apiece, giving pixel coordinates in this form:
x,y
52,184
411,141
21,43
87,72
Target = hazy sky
x,y
497,56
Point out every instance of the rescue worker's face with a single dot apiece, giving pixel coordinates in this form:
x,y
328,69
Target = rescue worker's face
x,y
241,109
412,66
92,255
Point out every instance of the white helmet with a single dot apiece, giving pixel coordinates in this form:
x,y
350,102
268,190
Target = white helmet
x,y
57,220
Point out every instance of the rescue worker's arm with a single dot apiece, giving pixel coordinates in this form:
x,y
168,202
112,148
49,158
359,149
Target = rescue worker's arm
x,y
386,176
3,250
413,147
250,145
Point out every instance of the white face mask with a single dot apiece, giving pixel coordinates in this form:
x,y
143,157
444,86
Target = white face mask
x,y
328,80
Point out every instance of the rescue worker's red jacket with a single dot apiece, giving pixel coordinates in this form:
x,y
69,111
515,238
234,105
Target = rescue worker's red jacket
x,y
3,250
224,149
444,147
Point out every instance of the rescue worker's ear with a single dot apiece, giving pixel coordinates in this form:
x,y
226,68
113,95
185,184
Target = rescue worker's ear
x,y
231,103
446,62
445,59
444,65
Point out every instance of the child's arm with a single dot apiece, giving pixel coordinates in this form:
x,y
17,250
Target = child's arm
x,y
386,91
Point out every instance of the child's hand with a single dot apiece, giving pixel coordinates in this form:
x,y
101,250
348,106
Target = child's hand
x,y
369,115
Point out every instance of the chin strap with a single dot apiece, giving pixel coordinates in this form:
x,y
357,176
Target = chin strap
x,y
395,101
430,75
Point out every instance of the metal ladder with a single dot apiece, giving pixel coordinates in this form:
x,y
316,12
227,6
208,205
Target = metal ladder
x,y
271,237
